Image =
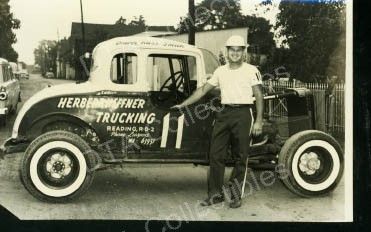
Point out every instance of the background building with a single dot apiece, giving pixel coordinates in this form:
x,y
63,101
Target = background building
x,y
70,52
72,49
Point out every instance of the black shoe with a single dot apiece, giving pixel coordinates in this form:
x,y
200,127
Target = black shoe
x,y
212,200
235,203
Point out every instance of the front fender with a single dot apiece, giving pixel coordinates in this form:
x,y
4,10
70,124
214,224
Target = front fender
x,y
48,93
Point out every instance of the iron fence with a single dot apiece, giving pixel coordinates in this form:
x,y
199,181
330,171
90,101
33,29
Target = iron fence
x,y
329,105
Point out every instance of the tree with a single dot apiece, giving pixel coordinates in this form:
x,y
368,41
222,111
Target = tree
x,y
7,37
213,15
139,22
221,14
121,20
315,35
46,56
260,34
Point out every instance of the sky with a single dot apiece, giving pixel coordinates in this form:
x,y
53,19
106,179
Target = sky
x,y
46,19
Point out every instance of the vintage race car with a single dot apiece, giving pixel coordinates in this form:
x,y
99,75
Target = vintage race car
x,y
122,114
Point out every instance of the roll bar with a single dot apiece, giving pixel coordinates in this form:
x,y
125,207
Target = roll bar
x,y
299,92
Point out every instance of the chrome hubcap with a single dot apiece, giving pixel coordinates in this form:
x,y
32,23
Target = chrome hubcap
x,y
309,163
59,166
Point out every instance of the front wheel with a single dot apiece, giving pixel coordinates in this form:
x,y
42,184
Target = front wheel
x,y
57,167
312,162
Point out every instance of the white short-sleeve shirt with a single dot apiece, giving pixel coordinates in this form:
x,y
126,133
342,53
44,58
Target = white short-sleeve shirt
x,y
236,84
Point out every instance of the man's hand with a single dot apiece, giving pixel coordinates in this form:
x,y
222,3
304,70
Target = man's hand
x,y
257,128
197,95
177,107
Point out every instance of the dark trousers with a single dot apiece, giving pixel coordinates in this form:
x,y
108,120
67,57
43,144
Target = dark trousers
x,y
232,123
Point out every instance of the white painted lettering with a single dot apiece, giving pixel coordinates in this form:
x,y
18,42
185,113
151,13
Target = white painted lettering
x,y
106,118
62,102
134,105
122,118
114,117
141,103
142,118
76,103
89,103
69,102
83,103
123,103
151,118
130,117
99,114
128,103
136,118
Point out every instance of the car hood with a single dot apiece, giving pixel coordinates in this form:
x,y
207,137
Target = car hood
x,y
63,89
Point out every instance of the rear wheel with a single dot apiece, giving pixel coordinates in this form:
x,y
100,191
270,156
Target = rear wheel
x,y
312,162
58,166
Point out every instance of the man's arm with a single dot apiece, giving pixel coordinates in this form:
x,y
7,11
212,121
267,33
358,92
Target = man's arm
x,y
259,103
196,96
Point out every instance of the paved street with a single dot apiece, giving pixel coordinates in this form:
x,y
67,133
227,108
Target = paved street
x,y
159,192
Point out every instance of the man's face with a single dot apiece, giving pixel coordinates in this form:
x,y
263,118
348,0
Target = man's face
x,y
235,54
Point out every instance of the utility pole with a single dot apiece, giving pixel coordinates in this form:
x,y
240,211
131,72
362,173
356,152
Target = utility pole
x,y
83,36
58,74
192,21
82,27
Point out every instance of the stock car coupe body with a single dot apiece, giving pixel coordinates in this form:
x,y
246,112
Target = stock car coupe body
x,y
122,114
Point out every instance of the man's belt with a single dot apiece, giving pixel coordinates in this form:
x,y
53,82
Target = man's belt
x,y
236,105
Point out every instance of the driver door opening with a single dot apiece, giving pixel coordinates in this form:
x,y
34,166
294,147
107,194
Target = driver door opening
x,y
171,78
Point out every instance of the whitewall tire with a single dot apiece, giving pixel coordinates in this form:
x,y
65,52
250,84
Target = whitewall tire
x,y
58,166
311,163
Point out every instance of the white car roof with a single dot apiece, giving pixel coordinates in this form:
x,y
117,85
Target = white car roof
x,y
137,42
102,54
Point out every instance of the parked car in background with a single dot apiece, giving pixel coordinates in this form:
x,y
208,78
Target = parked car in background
x,y
24,74
15,70
49,75
10,91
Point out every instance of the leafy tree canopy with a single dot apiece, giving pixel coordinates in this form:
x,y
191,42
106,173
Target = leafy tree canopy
x,y
46,55
137,21
222,14
7,37
314,32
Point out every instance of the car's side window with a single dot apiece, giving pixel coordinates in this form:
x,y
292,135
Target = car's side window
x,y
160,69
171,78
10,73
124,68
1,74
166,72
211,62
5,73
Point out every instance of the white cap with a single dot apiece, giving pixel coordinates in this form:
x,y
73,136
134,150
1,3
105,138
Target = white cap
x,y
236,41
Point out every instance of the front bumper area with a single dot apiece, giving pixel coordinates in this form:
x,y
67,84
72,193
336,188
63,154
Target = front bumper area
x,y
13,146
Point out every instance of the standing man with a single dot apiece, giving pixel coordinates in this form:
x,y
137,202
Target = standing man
x,y
238,82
